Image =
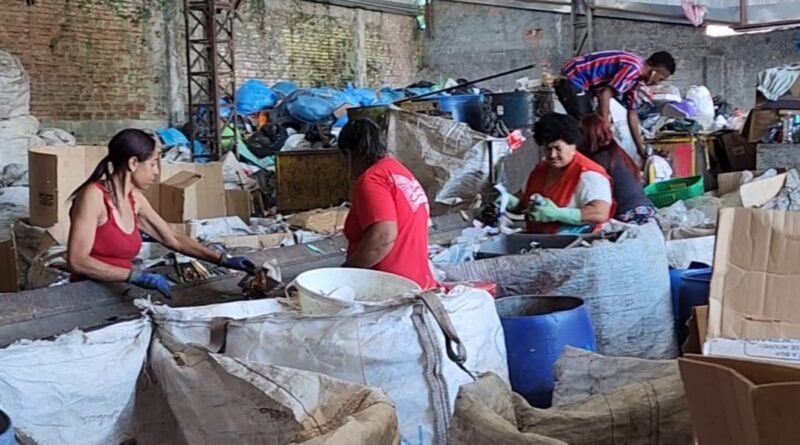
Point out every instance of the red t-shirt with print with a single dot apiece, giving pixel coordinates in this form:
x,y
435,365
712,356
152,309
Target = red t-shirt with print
x,y
387,191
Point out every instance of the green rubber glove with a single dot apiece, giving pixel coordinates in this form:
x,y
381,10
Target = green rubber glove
x,y
513,201
549,212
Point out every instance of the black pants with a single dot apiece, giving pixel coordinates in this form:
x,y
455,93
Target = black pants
x,y
576,102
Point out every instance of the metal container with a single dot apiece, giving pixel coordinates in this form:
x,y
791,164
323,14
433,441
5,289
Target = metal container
x,y
537,328
311,179
517,110
517,243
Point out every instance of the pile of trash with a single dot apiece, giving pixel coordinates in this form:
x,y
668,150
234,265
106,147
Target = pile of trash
x,y
695,112
286,117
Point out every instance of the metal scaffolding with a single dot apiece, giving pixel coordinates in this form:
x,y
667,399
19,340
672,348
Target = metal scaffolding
x,y
581,16
210,62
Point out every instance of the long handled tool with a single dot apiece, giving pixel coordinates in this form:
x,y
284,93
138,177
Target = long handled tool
x,y
471,82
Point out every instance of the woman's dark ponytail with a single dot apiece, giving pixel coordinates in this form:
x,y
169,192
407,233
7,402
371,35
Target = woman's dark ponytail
x,y
100,172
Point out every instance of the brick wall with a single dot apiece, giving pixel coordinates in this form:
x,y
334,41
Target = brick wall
x,y
85,62
315,44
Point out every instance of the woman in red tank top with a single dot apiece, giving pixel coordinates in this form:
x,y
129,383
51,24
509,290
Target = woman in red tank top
x,y
109,213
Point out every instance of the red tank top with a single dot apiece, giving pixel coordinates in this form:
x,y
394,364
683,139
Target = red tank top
x,y
112,245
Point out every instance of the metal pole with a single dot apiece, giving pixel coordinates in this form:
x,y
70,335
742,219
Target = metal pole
x,y
472,82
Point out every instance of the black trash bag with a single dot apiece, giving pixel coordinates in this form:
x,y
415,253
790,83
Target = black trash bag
x,y
267,141
321,133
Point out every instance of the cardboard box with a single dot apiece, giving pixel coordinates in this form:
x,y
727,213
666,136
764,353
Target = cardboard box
x,y
55,172
754,306
239,203
758,122
731,181
737,152
178,197
739,402
698,325
210,187
9,275
320,221
752,194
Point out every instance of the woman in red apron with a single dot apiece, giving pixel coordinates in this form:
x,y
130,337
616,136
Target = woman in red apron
x,y
109,211
576,192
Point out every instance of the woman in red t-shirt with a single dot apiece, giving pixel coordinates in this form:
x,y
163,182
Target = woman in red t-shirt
x,y
108,211
387,228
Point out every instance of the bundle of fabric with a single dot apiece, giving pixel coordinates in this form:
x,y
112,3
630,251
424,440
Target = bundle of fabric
x,y
598,401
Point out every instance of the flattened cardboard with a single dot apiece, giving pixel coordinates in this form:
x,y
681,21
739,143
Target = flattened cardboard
x,y
239,203
321,221
55,172
267,241
753,295
9,278
740,402
758,193
731,181
179,198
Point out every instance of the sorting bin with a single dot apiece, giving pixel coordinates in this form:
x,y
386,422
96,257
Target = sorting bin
x,y
537,328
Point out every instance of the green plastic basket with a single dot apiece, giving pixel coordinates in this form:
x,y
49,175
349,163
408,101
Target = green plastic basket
x,y
666,193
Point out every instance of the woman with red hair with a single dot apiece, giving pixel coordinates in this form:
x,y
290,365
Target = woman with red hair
x,y
597,143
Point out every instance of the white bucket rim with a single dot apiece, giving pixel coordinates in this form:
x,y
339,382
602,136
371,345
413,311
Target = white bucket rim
x,y
348,304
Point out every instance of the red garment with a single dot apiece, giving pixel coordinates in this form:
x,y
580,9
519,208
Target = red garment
x,y
561,190
112,245
387,191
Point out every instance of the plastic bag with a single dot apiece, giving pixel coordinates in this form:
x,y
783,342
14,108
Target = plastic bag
x,y
704,103
364,96
171,137
254,96
284,88
310,109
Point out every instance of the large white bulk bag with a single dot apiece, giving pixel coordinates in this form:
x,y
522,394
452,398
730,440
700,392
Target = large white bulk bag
x,y
624,284
193,324
76,389
222,400
399,349
15,90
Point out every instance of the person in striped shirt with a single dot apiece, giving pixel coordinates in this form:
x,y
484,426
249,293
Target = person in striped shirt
x,y
607,74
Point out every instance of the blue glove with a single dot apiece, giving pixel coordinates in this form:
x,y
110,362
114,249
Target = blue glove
x,y
151,281
238,263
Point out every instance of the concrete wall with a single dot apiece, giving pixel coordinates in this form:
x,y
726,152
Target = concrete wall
x,y
727,65
473,40
87,64
94,70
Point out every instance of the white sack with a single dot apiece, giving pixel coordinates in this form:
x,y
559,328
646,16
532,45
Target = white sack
x,y
625,286
450,160
15,90
56,136
222,400
78,388
380,348
193,324
17,135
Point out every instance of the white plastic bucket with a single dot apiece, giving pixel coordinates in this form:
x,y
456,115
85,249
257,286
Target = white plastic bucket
x,y
370,288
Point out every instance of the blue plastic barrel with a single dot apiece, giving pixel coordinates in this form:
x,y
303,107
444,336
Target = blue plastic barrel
x,y
464,108
693,291
537,328
675,276
6,431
